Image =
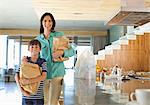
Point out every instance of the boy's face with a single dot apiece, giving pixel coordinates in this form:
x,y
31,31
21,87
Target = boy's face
x,y
34,49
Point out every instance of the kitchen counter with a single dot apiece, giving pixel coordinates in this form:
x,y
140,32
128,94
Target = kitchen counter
x,y
87,92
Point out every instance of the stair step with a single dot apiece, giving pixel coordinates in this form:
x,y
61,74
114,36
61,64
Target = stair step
x,y
109,50
142,29
101,55
115,42
124,42
130,36
138,32
116,46
101,52
123,38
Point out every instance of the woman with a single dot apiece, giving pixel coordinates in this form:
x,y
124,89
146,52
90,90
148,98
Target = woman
x,y
55,70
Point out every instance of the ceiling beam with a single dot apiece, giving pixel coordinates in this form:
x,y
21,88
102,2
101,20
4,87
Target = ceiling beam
x,y
29,32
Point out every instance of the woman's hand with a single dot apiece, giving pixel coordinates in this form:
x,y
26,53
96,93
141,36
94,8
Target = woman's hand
x,y
58,53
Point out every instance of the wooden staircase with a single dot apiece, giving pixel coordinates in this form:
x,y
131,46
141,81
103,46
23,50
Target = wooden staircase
x,y
130,52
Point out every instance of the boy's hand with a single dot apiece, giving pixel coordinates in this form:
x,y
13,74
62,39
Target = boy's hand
x,y
25,93
24,81
24,59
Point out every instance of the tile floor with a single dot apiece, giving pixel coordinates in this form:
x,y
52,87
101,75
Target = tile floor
x,y
76,92
10,95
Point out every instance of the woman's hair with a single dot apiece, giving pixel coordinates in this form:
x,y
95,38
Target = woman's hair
x,y
34,42
41,25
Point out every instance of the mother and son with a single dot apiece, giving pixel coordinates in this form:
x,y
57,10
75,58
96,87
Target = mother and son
x,y
50,80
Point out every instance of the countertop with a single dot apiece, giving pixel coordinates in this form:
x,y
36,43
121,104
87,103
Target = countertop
x,y
88,92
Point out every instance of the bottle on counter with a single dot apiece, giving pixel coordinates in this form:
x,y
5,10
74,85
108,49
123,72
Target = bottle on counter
x,y
102,76
98,70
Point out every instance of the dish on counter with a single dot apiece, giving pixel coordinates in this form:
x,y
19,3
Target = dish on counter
x,y
132,103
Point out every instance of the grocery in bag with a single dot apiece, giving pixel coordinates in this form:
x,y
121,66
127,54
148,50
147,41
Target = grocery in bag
x,y
30,70
60,43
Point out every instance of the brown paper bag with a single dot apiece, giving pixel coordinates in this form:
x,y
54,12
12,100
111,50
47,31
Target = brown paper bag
x,y
60,43
29,70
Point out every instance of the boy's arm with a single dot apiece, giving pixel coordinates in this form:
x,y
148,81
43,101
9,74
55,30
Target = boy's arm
x,y
17,79
34,80
38,78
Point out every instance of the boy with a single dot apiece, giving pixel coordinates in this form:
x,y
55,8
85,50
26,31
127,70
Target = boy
x,y
37,99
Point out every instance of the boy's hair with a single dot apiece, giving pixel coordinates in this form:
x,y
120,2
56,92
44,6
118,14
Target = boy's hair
x,y
34,42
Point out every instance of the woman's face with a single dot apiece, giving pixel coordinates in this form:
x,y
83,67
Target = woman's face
x,y
47,23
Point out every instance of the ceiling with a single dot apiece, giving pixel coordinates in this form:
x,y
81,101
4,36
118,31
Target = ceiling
x,y
89,15
133,13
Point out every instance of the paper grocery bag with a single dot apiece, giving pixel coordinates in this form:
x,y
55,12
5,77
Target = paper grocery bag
x,y
60,43
30,70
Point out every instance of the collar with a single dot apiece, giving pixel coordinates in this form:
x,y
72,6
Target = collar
x,y
42,36
29,60
51,35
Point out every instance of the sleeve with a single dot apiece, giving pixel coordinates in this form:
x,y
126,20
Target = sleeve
x,y
59,33
69,52
44,68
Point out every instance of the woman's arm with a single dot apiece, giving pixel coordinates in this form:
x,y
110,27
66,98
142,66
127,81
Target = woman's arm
x,y
64,53
69,52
